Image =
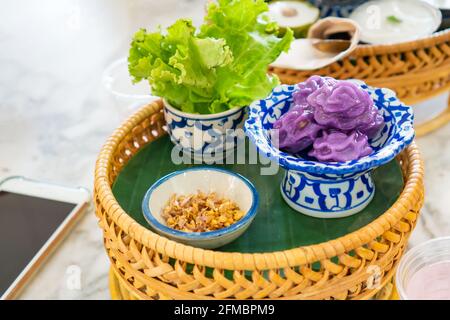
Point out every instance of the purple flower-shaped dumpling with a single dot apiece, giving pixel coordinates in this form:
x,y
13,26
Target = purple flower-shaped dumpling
x,y
335,117
345,106
295,130
311,85
338,146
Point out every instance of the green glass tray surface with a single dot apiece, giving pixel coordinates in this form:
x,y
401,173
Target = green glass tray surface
x,y
276,226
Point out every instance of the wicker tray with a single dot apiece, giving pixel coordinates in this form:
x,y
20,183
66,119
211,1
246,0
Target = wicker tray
x,y
416,70
149,266
118,289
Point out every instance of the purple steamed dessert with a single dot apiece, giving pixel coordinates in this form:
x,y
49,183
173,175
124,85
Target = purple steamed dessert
x,y
295,130
346,106
339,146
335,117
309,86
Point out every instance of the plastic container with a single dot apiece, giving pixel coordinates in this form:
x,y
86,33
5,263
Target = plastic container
x,y
428,262
124,95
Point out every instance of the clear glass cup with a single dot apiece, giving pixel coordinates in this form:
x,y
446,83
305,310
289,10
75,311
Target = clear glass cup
x,y
429,253
126,96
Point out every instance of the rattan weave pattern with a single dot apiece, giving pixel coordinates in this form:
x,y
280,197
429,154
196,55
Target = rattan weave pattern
x,y
416,70
152,267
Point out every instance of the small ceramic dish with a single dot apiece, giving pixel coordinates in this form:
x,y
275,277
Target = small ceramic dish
x,y
225,183
205,137
330,189
303,53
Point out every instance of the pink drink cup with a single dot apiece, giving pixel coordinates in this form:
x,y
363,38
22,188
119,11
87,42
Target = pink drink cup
x,y
424,271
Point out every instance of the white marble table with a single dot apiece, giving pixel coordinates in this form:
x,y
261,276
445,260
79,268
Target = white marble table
x,y
55,115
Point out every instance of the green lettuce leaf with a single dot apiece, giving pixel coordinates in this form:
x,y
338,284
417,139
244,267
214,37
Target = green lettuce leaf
x,y
223,65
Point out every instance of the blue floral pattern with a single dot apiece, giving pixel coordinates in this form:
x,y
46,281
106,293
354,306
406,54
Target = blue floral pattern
x,y
318,196
205,138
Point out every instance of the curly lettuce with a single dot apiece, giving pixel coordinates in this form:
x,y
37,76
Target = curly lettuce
x,y
220,66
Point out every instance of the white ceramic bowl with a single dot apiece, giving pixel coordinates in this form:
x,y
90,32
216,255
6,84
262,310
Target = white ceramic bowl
x,y
416,19
225,183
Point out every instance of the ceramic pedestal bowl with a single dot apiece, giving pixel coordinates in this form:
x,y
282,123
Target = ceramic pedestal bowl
x,y
330,189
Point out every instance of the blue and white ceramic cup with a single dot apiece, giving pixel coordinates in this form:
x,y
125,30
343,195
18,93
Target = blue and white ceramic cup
x,y
205,137
330,189
336,8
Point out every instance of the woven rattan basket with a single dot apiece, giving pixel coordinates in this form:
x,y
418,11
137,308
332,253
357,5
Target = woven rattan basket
x,y
416,70
148,266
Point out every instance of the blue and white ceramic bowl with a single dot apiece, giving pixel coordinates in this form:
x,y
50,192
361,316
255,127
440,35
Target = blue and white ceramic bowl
x,y
332,189
225,183
205,137
336,8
